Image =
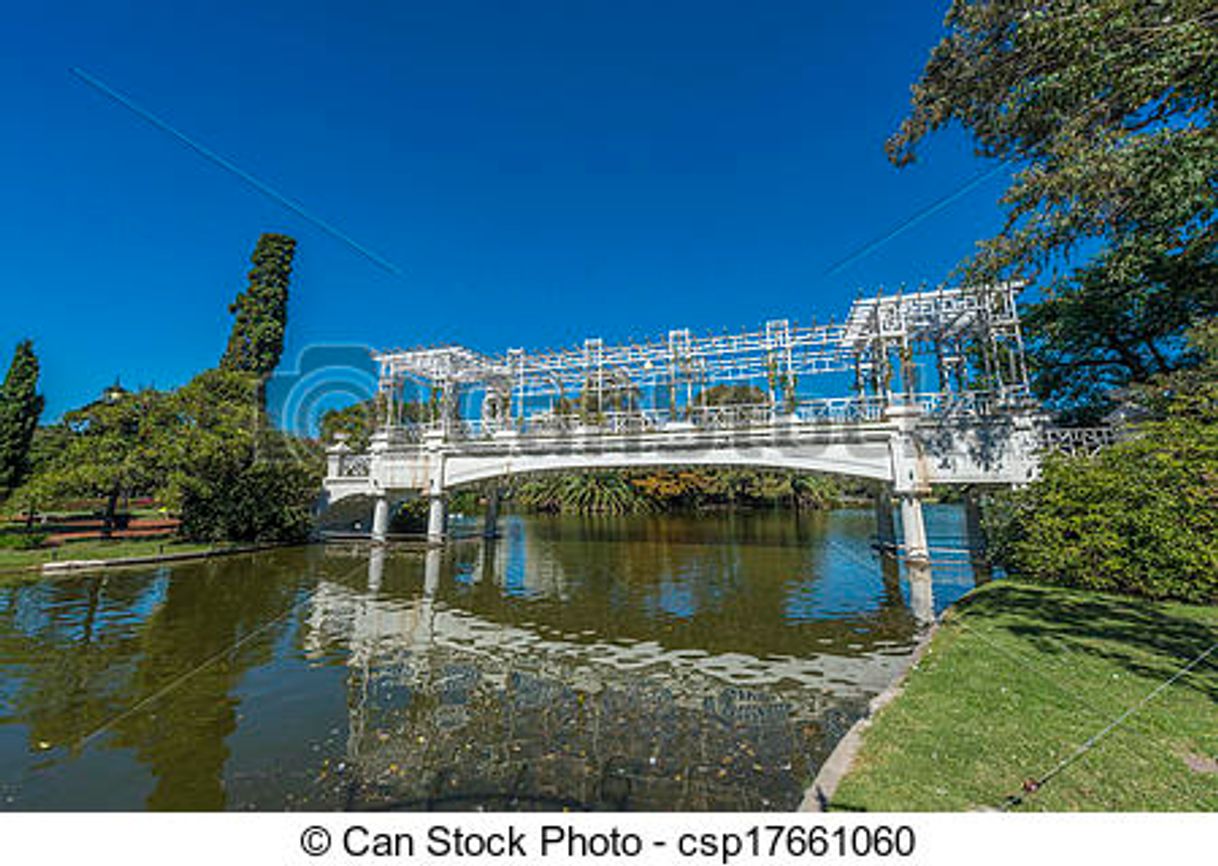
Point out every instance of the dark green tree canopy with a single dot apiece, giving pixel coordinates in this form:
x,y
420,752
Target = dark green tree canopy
x,y
1107,110
20,408
1107,105
1103,333
256,340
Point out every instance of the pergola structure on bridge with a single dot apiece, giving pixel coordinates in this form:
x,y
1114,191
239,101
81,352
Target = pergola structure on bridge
x,y
951,342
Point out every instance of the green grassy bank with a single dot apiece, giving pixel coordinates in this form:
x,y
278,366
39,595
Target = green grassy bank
x,y
13,562
1018,677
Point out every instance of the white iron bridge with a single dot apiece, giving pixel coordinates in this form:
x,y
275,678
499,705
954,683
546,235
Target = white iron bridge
x,y
910,390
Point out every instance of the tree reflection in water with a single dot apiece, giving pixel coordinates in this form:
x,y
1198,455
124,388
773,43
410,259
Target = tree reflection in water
x,y
667,662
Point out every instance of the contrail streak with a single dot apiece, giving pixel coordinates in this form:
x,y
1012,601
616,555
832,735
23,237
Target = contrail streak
x,y
931,209
262,187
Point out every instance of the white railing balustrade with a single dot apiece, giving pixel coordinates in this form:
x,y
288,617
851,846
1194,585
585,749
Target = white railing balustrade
x,y
807,411
354,466
1079,440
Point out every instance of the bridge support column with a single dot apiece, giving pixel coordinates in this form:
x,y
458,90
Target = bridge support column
x,y
437,518
921,591
380,519
885,526
376,568
913,528
490,522
432,562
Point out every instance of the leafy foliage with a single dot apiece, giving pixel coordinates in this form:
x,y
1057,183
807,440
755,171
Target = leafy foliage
x,y
1141,517
583,493
266,500
20,407
109,448
358,421
22,540
731,395
662,490
199,449
1107,107
256,340
701,488
1111,330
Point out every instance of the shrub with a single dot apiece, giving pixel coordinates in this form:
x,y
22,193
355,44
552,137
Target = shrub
x,y
1141,517
22,540
269,500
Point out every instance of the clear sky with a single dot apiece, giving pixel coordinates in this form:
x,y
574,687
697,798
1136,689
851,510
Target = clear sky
x,y
540,171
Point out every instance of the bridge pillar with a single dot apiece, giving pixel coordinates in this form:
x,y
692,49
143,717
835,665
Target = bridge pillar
x,y
437,518
921,591
490,522
376,568
913,528
335,455
380,518
432,562
885,527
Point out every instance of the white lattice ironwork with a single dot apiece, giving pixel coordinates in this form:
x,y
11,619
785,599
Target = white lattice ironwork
x,y
947,347
1076,441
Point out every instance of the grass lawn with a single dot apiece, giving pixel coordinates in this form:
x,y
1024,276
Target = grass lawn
x,y
1018,677
117,549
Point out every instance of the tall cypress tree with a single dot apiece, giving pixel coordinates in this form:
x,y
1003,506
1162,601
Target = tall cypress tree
x,y
20,408
256,340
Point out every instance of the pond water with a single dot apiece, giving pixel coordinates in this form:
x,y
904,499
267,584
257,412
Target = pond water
x,y
651,662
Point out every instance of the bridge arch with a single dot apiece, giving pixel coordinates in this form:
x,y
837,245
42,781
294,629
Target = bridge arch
x,y
461,473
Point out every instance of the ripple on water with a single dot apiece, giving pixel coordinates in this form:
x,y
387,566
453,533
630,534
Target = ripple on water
x,y
650,663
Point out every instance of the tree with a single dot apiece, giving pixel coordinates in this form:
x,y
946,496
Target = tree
x,y
20,408
583,493
1141,517
199,449
265,500
256,340
359,420
229,477
1107,108
1099,337
114,447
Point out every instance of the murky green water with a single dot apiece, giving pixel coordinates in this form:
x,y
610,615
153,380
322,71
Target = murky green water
x,y
706,662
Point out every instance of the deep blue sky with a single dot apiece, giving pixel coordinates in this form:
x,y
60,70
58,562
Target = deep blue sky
x,y
541,172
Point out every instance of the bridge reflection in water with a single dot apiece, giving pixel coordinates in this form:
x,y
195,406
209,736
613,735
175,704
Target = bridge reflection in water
x,y
641,663
656,662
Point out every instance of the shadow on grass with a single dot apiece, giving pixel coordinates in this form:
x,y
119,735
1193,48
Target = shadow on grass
x,y
1146,638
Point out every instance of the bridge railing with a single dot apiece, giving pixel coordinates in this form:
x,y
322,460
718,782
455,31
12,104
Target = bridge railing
x,y
840,410
807,411
354,465
1077,441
